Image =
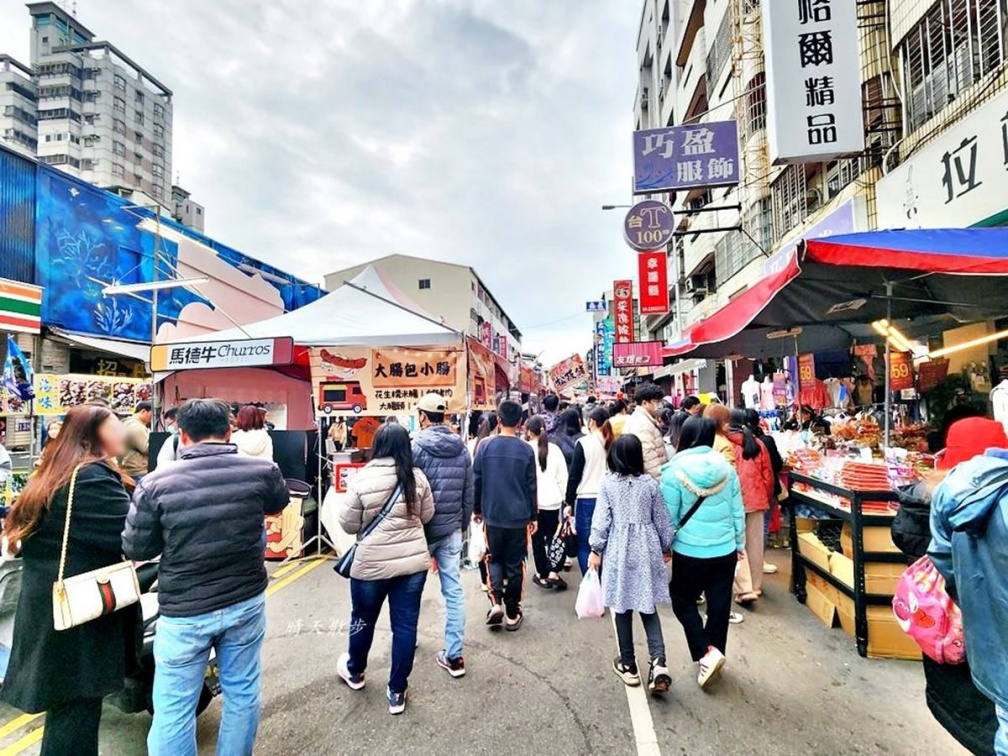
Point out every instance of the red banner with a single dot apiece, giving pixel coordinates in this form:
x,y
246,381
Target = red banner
x,y
806,370
638,354
929,374
623,311
901,375
652,270
486,334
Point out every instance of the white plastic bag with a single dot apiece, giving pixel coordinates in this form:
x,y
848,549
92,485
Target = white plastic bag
x,y
477,543
589,599
342,540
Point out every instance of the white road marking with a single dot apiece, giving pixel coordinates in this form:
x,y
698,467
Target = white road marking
x,y
640,711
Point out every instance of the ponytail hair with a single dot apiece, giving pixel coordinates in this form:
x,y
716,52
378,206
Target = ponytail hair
x,y
537,427
750,446
600,416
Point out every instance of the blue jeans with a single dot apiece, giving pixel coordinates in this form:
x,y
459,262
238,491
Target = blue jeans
x,y
448,553
181,652
1001,739
367,598
583,511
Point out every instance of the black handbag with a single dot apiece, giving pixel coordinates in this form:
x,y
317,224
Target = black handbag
x,y
556,551
345,562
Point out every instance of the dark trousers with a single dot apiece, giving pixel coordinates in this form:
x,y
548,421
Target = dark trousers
x,y
624,637
713,578
549,521
507,549
72,730
367,597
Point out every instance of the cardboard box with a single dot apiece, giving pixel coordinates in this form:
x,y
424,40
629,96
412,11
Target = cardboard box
x,y
880,577
877,539
810,546
820,598
885,638
804,524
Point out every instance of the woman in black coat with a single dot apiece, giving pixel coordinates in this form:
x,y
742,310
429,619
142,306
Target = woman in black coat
x,y
67,673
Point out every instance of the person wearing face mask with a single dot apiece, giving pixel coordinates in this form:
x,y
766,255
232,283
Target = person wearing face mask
x,y
643,423
171,449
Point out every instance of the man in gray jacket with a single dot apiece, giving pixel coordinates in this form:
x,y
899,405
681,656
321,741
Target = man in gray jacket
x,y
443,457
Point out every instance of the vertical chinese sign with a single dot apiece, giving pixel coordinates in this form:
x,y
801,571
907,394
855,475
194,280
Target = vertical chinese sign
x,y
813,80
652,268
623,311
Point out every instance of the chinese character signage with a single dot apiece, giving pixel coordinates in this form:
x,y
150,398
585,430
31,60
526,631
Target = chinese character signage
x,y
813,79
684,157
222,354
652,268
567,373
957,180
388,381
623,311
605,337
486,334
482,376
502,348
638,354
931,373
901,375
648,225
56,394
609,386
598,305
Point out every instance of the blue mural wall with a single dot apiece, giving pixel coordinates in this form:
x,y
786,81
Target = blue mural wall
x,y
17,217
86,238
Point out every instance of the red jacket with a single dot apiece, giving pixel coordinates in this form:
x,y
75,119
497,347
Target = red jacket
x,y
755,475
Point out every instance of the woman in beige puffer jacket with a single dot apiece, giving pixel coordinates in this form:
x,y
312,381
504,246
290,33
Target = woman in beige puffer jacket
x,y
390,562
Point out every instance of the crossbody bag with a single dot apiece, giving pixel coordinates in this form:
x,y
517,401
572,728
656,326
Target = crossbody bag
x,y
345,563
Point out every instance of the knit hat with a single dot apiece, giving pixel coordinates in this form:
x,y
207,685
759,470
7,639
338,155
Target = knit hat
x,y
970,438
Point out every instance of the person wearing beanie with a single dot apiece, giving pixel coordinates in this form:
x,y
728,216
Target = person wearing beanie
x,y
969,546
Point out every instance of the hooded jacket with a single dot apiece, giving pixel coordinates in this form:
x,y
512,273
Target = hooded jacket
x,y
444,459
645,427
254,443
718,526
755,475
969,528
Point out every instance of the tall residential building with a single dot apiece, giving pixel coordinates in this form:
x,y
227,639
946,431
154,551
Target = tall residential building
x,y
100,115
453,293
18,119
185,211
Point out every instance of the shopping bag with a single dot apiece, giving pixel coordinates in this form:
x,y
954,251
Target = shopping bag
x,y
589,599
339,537
477,543
926,613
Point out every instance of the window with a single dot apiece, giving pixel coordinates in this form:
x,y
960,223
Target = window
x,y
137,157
119,82
158,171
720,52
118,148
159,111
92,73
138,117
138,136
158,151
158,131
119,127
118,103
139,97
87,164
199,211
756,104
13,86
424,283
117,169
157,191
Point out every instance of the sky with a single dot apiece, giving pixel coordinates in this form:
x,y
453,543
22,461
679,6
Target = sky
x,y
323,134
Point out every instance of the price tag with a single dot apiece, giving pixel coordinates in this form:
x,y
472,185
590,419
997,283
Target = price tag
x,y
900,371
806,370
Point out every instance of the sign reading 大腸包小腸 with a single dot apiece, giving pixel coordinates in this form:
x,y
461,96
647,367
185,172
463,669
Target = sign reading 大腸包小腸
x,y
685,157
203,355
649,225
813,79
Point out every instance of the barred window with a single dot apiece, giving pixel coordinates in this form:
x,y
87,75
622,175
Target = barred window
x,y
720,51
789,196
755,98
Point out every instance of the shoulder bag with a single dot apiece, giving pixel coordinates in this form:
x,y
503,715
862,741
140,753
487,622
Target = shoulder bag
x,y
343,566
689,515
93,594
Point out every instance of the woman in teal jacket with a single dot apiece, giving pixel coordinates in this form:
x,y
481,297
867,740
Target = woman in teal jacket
x,y
708,546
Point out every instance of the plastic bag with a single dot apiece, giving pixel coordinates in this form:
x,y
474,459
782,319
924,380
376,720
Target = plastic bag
x,y
477,543
589,599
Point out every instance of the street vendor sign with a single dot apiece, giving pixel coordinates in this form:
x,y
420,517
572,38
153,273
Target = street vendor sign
x,y
567,373
204,355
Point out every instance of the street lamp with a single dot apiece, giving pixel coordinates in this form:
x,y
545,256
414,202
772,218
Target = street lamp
x,y
614,207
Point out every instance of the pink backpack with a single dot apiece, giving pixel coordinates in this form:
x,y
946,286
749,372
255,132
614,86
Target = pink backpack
x,y
927,613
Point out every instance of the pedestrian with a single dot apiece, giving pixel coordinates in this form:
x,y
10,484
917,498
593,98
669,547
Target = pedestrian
x,y
551,488
505,482
674,429
338,434
969,528
134,459
777,467
707,545
67,673
618,416
486,428
630,536
442,456
551,412
590,404
721,416
752,461
643,423
568,430
585,477
692,406
171,449
250,434
390,563
204,515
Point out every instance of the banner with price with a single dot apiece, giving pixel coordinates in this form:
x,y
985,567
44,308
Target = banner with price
x,y
900,371
806,370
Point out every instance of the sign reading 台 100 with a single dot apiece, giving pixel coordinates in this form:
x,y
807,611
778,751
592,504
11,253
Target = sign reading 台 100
x,y
685,157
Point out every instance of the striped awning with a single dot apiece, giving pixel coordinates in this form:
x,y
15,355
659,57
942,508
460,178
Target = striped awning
x,y
20,307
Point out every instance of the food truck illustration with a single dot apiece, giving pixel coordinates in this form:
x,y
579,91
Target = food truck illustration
x,y
340,396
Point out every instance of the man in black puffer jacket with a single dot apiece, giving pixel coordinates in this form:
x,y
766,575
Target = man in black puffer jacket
x,y
443,457
204,515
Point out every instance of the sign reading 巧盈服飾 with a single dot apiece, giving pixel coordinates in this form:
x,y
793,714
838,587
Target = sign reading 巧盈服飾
x,y
203,355
685,157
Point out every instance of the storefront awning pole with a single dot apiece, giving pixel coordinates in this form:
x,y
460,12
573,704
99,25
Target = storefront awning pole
x,y
888,353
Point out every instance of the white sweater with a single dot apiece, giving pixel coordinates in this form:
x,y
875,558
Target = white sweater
x,y
551,483
594,466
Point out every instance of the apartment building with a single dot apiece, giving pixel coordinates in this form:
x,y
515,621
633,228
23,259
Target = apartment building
x,y
18,117
185,211
454,293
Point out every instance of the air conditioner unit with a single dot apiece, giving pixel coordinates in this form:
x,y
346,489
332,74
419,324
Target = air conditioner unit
x,y
697,285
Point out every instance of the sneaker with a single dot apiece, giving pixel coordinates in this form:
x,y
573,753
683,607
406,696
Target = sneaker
x,y
544,584
513,623
628,675
354,682
709,666
454,667
495,616
769,569
396,701
734,618
659,679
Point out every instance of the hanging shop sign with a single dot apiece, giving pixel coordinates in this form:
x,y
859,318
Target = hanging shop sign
x,y
56,394
685,157
649,225
605,337
609,386
652,269
598,305
486,334
901,375
204,355
813,79
954,182
623,311
931,373
20,307
638,354
482,376
389,381
806,371
568,373
343,473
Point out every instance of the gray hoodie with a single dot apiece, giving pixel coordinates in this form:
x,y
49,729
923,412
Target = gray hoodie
x,y
444,459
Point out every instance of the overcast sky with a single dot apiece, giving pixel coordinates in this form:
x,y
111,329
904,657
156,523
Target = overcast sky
x,y
322,134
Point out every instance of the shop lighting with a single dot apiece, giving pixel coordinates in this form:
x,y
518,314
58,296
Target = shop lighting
x,y
893,335
969,344
137,288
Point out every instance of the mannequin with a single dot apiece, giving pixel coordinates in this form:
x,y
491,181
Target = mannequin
x,y
999,398
750,393
833,391
767,401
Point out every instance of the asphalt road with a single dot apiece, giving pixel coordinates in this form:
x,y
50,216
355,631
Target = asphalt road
x,y
791,686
